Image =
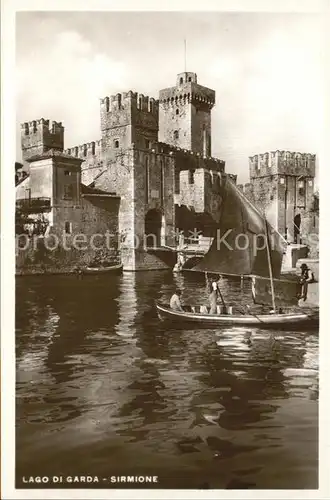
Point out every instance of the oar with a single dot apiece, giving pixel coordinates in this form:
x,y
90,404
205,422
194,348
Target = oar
x,y
221,297
254,315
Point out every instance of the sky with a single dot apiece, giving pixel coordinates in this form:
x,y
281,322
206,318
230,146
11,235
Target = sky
x,y
266,69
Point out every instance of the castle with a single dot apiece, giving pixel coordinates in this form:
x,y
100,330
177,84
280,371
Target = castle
x,y
282,187
148,177
154,156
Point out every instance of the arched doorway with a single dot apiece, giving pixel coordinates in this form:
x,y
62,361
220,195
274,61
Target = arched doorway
x,y
296,228
152,228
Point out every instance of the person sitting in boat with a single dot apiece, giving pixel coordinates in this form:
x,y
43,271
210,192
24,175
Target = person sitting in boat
x,y
306,277
175,303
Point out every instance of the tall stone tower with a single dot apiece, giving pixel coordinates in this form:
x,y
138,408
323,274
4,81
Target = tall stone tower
x,y
185,114
140,173
37,137
282,186
126,119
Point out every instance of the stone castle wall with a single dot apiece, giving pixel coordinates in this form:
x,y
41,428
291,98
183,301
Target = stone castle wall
x,y
127,119
94,216
149,176
282,162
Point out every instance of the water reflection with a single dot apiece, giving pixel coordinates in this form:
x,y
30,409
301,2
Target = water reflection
x,y
103,385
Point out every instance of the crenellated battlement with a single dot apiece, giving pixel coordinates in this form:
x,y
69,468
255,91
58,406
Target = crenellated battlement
x,y
245,187
187,159
186,77
187,90
185,114
126,118
129,100
32,127
283,163
288,155
88,149
186,94
38,136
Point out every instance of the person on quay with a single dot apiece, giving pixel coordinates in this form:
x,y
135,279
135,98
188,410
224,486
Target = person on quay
x,y
306,277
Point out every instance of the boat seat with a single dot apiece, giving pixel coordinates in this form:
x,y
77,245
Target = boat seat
x,y
224,309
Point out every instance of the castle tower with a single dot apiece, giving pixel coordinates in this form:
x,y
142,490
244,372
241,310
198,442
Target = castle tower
x,y
185,114
126,119
282,185
51,193
37,137
57,176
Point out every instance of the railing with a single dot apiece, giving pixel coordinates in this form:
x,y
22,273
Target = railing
x,y
33,205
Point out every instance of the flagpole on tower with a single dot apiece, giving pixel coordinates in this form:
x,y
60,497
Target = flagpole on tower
x,y
185,55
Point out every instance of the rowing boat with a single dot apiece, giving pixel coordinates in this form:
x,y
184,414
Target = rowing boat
x,y
200,316
106,269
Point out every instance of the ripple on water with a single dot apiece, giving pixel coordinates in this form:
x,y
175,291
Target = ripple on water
x,y
97,371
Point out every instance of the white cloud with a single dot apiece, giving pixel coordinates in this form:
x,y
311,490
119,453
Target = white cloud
x,y
63,80
266,73
269,97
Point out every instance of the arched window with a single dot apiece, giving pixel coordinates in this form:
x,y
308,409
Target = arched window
x,y
116,144
191,177
181,81
176,134
189,79
177,112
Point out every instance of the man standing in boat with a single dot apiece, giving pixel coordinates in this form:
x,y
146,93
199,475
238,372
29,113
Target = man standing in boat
x,y
214,293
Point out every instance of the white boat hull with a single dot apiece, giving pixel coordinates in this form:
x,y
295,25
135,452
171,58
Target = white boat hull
x,y
100,270
261,320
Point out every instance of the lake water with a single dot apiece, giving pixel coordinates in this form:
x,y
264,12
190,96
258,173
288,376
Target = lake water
x,y
105,389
